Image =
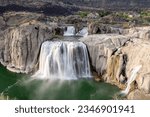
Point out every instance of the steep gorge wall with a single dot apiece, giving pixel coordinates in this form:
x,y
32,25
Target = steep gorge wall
x,y
20,46
21,36
115,57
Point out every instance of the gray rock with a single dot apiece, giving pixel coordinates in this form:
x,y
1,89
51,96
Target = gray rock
x,y
114,57
101,48
2,22
20,46
98,28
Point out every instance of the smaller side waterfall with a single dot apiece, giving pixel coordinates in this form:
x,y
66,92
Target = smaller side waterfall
x,y
63,60
70,31
83,32
131,79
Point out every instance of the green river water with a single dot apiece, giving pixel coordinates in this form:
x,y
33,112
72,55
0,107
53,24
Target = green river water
x,y
18,86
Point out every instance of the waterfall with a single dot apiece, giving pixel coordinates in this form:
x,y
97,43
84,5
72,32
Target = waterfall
x,y
131,79
83,32
70,31
63,60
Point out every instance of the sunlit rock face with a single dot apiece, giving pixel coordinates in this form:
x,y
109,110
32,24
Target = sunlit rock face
x,y
122,59
63,60
101,48
20,46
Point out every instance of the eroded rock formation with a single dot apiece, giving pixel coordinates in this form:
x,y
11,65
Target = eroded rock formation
x,y
21,36
116,57
20,46
113,56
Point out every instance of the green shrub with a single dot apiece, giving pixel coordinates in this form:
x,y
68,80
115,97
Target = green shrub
x,y
145,13
104,13
82,14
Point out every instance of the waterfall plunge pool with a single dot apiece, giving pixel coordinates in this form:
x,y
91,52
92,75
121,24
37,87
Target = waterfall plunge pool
x,y
18,86
64,74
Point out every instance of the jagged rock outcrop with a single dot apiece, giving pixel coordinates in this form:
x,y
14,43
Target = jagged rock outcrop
x,y
21,35
101,49
116,59
19,47
138,54
138,32
99,28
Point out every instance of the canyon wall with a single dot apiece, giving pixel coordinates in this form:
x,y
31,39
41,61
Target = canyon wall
x,y
21,36
116,58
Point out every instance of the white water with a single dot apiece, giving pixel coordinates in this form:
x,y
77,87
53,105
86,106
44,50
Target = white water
x,y
131,79
71,32
83,32
63,60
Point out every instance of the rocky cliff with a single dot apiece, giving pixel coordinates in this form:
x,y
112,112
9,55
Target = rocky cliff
x,y
122,58
116,58
21,35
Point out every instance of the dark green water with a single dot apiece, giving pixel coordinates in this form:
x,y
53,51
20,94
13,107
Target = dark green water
x,y
28,88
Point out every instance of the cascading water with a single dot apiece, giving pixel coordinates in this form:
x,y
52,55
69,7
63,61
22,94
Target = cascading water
x,y
131,79
63,60
70,31
83,32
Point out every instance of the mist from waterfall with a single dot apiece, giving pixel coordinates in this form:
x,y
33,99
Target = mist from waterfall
x,y
63,60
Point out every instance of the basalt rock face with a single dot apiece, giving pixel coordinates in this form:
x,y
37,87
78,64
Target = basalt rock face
x,y
116,57
99,28
21,36
102,48
20,46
